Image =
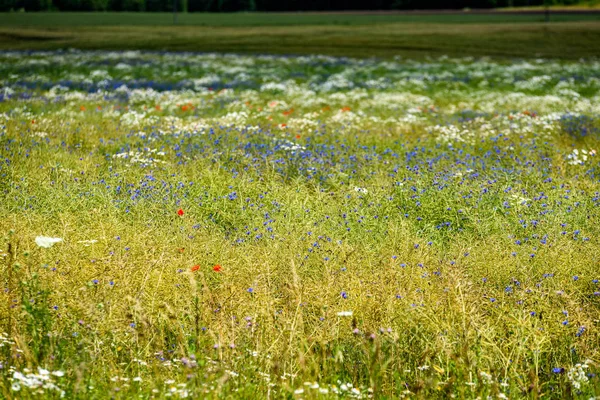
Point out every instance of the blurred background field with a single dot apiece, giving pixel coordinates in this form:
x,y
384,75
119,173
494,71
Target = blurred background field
x,y
381,28
568,36
245,19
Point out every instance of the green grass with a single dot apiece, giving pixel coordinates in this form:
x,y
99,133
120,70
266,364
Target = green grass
x,y
579,6
570,40
67,19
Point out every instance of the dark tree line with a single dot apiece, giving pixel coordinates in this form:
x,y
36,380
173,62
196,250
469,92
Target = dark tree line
x,y
258,5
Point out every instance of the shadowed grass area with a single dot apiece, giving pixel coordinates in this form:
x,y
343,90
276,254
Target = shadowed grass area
x,y
570,40
68,19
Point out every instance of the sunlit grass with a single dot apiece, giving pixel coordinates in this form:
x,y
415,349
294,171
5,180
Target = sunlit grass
x,y
218,260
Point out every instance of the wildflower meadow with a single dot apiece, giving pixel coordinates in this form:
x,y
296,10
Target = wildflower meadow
x,y
195,225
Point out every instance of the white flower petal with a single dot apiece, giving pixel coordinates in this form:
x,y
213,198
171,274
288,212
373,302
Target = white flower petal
x,y
344,314
46,242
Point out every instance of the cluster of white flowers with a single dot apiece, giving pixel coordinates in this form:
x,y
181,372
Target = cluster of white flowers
x,y
577,375
38,383
341,390
290,146
144,158
178,390
347,389
344,314
579,157
451,133
486,378
237,119
308,122
136,119
5,340
516,199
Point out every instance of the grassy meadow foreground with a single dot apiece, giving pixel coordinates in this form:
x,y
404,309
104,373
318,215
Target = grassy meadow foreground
x,y
298,227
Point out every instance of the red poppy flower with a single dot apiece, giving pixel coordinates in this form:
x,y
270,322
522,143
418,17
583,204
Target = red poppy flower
x,y
217,268
195,268
180,212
